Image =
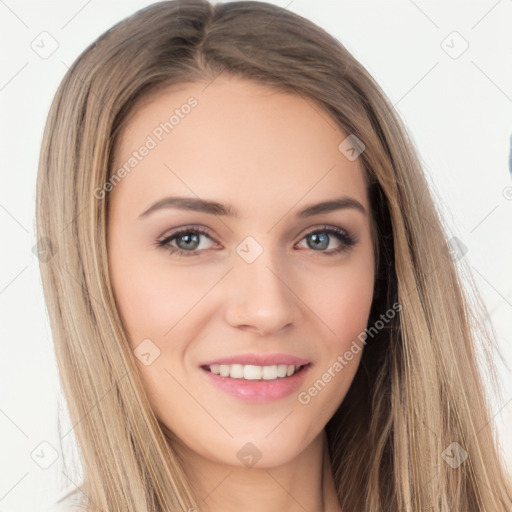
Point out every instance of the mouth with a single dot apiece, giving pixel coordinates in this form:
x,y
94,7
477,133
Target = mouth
x,y
255,372
251,383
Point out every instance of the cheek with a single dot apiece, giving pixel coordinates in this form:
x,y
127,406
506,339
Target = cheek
x,y
341,298
153,299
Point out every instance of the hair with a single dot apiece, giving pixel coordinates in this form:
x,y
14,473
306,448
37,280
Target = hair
x,y
418,388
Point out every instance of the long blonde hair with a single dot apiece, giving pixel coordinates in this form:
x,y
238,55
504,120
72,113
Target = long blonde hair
x,y
418,388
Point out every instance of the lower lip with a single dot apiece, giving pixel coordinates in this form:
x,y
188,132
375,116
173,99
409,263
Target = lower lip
x,y
258,390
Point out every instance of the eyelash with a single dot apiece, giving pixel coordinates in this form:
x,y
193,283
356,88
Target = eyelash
x,y
347,240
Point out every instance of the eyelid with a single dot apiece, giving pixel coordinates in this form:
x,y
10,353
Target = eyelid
x,y
192,227
197,228
345,237
324,227
205,230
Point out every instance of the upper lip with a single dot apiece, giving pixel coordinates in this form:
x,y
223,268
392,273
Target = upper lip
x,y
259,360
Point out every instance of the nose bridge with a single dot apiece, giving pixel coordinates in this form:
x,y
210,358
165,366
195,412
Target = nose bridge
x,y
260,295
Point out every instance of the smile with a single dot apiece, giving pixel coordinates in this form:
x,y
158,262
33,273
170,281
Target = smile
x,y
253,372
251,383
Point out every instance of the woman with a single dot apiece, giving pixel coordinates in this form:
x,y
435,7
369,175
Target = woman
x,y
255,305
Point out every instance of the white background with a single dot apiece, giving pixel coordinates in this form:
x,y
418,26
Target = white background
x,y
457,110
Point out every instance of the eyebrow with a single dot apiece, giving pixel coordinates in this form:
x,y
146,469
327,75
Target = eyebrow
x,y
215,208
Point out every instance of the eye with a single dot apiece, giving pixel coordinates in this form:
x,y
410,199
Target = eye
x,y
187,240
320,239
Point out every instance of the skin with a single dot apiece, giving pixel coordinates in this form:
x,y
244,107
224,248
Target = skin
x,y
268,154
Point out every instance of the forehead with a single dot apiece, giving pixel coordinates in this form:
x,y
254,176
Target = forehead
x,y
239,139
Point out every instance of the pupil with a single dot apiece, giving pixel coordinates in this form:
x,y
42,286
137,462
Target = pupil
x,y
188,239
323,243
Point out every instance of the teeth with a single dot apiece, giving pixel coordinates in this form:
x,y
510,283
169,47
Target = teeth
x,y
252,372
282,370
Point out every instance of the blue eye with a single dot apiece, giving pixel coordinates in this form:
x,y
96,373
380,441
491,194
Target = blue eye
x,y
187,241
320,239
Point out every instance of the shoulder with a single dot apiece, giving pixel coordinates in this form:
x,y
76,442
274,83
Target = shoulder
x,y
68,501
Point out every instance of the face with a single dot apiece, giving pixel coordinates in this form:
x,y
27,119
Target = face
x,y
243,276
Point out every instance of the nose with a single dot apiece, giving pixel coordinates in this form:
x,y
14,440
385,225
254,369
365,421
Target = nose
x,y
261,296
